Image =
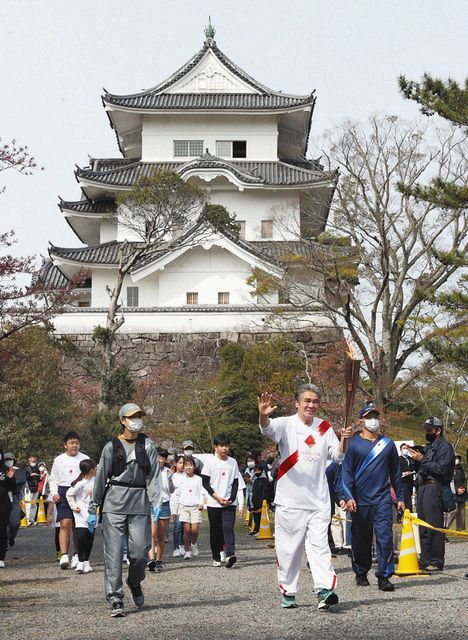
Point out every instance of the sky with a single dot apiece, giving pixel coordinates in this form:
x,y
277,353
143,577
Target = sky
x,y
57,56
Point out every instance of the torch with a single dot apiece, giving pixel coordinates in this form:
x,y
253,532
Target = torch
x,y
352,365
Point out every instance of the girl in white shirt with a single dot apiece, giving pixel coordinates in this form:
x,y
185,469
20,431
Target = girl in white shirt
x,y
188,500
176,478
79,496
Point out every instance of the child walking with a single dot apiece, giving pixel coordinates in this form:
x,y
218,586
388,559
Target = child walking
x,y
188,502
222,481
79,496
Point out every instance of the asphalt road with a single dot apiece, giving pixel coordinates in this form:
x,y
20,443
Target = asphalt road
x,y
194,600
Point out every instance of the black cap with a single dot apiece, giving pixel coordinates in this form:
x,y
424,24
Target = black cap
x,y
431,422
370,408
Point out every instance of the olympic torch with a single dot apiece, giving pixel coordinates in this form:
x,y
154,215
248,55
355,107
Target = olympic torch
x,y
352,366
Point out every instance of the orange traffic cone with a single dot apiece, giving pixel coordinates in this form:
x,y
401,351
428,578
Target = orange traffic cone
x,y
408,559
41,516
265,529
24,521
247,517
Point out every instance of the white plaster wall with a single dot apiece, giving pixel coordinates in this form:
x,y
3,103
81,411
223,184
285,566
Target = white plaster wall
x,y
206,272
108,231
255,206
159,132
184,322
148,288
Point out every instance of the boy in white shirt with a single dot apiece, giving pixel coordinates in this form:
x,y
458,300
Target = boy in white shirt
x,y
65,469
188,504
221,480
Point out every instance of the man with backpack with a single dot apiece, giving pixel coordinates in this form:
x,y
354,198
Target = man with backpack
x,y
128,490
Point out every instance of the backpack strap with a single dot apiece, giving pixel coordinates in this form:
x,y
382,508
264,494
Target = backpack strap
x,y
119,459
141,454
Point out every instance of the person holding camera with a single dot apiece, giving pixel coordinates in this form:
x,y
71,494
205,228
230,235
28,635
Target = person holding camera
x,y
434,494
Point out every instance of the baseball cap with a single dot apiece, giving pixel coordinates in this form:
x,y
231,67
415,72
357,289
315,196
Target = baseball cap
x,y
8,456
186,444
370,408
432,421
129,409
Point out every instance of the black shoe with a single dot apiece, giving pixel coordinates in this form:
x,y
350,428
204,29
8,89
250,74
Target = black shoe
x,y
159,566
11,542
385,585
118,610
343,552
151,565
362,581
137,594
230,560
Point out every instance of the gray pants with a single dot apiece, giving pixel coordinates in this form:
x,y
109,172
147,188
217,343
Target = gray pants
x,y
116,529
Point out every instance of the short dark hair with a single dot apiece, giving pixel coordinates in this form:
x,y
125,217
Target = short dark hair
x,y
163,452
179,456
190,460
403,444
222,439
71,435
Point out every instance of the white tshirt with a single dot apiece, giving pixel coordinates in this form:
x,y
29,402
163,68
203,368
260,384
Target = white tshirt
x,y
79,496
189,492
222,474
305,450
167,485
64,470
176,480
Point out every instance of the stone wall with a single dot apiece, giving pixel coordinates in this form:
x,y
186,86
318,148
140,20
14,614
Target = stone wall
x,y
172,362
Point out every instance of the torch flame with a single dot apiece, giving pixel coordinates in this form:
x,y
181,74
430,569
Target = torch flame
x,y
352,353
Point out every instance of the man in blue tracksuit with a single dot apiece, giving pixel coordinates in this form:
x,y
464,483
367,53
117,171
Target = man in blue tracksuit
x,y
370,465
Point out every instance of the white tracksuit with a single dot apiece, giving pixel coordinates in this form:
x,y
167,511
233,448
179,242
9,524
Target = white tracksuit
x,y
302,500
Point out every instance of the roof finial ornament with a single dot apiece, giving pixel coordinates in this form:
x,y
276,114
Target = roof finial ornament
x,y
209,32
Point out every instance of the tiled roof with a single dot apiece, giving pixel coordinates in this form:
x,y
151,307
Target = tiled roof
x,y
106,164
87,206
212,101
106,253
154,98
196,308
51,276
267,172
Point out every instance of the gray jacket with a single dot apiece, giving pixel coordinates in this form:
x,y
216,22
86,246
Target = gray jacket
x,y
128,500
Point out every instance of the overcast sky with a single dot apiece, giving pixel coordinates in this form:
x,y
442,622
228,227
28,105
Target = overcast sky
x,y
57,56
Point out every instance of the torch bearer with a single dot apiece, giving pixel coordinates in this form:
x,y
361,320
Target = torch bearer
x,y
352,365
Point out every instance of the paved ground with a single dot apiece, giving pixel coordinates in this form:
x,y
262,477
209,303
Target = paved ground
x,y
194,600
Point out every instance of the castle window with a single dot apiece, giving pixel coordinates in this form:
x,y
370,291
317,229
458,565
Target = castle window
x,y
132,296
188,148
131,138
223,297
192,297
267,229
241,224
231,148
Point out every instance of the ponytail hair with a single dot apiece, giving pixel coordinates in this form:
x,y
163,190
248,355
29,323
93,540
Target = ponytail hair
x,y
85,467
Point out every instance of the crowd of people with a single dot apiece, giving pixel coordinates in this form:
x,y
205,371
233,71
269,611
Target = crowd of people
x,y
136,489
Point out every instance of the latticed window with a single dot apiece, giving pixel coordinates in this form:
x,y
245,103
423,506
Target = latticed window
x,y
192,297
267,229
131,138
188,148
132,296
223,297
231,148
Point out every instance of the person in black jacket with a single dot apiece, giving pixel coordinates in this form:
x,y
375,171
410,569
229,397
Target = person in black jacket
x,y
434,477
261,490
7,484
407,475
459,495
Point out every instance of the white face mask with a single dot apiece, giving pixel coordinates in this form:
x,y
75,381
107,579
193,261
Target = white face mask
x,y
41,468
456,461
251,464
372,424
405,453
134,424
188,453
9,463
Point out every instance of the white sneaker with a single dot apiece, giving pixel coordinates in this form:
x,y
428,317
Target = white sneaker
x,y
87,568
79,567
181,549
124,558
222,556
176,553
74,562
187,555
195,550
64,561
2,564
216,563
